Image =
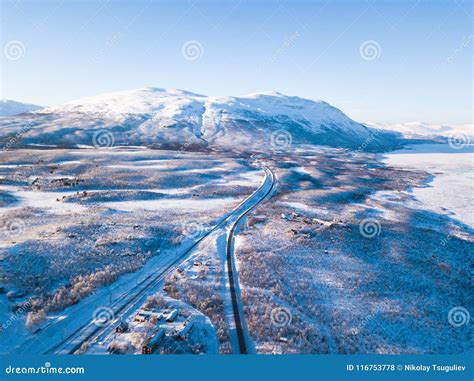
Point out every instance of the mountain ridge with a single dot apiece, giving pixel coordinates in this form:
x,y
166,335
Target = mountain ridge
x,y
171,118
10,107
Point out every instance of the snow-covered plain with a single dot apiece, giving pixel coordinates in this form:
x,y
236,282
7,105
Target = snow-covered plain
x,y
74,223
330,267
95,221
450,190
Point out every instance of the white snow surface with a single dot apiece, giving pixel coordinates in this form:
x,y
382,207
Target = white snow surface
x,y
451,189
9,107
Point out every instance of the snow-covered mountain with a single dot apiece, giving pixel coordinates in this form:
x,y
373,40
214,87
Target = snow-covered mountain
x,y
417,130
180,119
9,107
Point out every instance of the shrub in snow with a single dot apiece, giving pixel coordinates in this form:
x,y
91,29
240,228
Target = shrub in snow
x,y
118,347
206,298
155,301
35,318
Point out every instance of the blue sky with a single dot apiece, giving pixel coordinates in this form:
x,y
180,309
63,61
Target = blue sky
x,y
379,61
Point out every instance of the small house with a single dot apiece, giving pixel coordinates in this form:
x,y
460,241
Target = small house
x,y
172,315
152,343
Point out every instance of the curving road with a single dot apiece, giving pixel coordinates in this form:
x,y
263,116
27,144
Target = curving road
x,y
239,318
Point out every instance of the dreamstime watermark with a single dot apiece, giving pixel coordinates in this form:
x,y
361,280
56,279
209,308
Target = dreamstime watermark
x,y
194,229
384,305
45,369
24,307
279,52
103,316
280,140
192,50
13,228
370,228
370,50
466,41
14,50
184,147
458,316
108,44
367,142
459,140
103,139
281,317
18,136
450,236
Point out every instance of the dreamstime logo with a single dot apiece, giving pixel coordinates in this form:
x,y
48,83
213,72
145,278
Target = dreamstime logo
x,y
279,52
24,307
102,316
381,307
47,368
192,50
449,237
185,146
369,228
280,139
108,44
193,229
367,142
466,41
103,139
458,316
14,50
280,317
18,136
459,141
370,50
14,228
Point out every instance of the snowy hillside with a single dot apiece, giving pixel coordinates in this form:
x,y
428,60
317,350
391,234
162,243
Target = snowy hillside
x,y
9,107
181,119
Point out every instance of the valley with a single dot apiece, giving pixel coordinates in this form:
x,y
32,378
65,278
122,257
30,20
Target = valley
x,y
158,221
90,236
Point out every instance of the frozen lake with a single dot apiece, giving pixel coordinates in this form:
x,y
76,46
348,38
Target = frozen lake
x,y
451,189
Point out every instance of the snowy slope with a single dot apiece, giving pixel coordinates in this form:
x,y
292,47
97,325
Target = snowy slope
x,y
180,119
9,107
149,100
452,169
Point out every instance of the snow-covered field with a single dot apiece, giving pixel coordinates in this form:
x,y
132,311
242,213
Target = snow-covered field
x,y
345,257
450,190
74,222
329,266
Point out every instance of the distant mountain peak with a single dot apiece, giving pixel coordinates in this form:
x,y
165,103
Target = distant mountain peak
x,y
271,93
420,129
171,91
10,107
175,118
